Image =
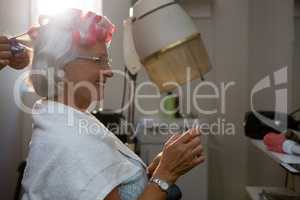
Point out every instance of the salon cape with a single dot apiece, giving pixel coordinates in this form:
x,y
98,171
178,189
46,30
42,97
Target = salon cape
x,y
73,156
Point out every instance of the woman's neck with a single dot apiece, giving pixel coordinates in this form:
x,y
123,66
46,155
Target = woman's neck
x,y
64,99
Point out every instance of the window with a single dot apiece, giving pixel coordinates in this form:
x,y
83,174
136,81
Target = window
x,y
50,7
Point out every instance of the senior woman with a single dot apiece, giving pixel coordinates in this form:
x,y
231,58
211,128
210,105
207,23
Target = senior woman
x,y
72,155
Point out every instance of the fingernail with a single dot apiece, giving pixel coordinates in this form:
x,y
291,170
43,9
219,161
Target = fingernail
x,y
194,131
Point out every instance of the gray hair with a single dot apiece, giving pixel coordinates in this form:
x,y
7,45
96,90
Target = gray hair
x,y
54,48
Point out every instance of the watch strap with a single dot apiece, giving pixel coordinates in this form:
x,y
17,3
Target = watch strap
x,y
163,185
173,191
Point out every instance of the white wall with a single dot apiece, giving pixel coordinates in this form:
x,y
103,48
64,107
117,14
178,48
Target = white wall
x,y
271,35
271,44
13,20
296,74
227,153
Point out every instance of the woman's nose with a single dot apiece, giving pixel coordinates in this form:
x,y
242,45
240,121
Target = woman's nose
x,y
107,73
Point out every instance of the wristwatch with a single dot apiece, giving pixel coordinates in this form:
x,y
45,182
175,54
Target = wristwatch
x,y
172,190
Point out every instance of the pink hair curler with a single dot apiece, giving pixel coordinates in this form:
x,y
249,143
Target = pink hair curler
x,y
101,33
76,37
86,29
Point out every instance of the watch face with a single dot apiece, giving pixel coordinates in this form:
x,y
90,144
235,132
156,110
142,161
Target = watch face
x,y
164,186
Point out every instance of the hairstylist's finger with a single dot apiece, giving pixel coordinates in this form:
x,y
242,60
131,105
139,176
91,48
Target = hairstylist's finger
x,y
187,136
3,63
4,47
21,56
3,39
5,55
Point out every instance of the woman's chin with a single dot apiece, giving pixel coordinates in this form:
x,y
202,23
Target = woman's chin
x,y
100,100
95,105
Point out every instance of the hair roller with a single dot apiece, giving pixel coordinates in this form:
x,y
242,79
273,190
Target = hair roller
x,y
98,18
100,33
76,37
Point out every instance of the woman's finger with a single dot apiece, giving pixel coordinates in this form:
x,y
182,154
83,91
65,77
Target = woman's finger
x,y
173,138
197,161
196,131
187,136
195,142
197,151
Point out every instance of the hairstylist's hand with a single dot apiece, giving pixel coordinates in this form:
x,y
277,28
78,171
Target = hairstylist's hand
x,y
5,54
180,155
18,61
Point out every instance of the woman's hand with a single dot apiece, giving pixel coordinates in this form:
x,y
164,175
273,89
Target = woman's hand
x,y
154,164
180,154
18,61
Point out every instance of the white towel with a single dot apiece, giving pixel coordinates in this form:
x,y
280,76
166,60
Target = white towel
x,y
73,156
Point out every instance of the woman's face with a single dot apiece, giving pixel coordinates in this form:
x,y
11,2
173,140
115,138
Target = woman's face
x,y
86,78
